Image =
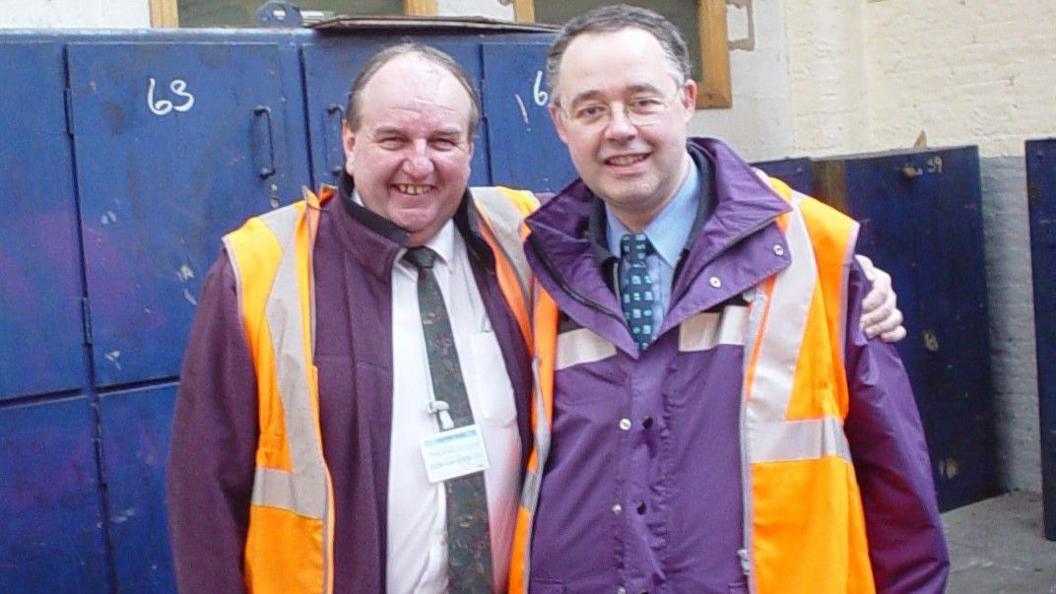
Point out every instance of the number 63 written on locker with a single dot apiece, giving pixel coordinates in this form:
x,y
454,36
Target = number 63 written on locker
x,y
160,107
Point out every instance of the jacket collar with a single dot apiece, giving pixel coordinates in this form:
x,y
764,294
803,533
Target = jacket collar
x,y
566,232
375,241
742,203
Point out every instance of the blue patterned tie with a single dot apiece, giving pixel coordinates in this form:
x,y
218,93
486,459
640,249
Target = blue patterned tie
x,y
468,537
636,288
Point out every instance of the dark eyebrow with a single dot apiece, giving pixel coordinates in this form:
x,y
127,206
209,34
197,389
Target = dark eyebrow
x,y
448,133
585,96
388,131
631,90
644,88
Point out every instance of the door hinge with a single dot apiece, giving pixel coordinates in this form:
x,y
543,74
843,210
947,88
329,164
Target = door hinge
x,y
86,320
69,111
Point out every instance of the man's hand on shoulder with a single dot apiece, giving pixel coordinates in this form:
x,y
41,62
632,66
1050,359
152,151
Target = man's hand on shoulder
x,y
880,314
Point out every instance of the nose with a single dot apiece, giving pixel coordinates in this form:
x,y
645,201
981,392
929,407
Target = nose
x,y
419,162
619,127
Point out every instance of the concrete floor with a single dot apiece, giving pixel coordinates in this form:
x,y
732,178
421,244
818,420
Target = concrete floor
x,y
997,547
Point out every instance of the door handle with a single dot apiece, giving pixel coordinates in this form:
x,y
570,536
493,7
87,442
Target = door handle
x,y
269,169
330,111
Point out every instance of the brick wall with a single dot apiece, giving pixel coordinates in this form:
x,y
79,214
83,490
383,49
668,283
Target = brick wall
x,y
965,72
109,14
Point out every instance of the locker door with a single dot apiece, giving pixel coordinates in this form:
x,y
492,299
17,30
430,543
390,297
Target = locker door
x,y
331,66
51,534
176,144
136,427
40,268
794,172
1041,194
922,222
525,149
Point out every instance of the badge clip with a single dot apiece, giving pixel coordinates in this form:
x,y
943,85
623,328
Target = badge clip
x,y
440,409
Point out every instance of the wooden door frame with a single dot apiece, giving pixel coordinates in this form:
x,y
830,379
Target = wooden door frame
x,y
713,81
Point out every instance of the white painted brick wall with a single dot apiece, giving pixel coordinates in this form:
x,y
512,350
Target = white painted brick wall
x,y
486,8
1007,231
759,123
966,72
826,50
109,14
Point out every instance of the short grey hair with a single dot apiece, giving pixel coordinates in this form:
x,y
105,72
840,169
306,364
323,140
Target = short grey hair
x,y
426,52
615,17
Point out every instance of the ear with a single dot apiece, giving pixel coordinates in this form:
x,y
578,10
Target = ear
x,y
689,98
348,142
559,122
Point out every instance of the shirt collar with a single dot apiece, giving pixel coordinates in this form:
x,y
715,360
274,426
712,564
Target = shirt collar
x,y
669,231
443,243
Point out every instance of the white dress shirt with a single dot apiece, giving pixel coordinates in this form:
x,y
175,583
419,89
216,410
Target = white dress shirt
x,y
416,553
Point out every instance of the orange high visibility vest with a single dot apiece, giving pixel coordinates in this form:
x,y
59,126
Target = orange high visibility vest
x,y
804,525
289,548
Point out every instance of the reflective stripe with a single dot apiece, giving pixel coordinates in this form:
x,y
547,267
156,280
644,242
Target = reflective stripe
x,y
582,346
707,330
543,362
505,221
275,488
799,440
542,443
778,322
780,333
304,489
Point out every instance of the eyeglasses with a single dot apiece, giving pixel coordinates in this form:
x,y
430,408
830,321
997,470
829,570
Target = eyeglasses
x,y
641,110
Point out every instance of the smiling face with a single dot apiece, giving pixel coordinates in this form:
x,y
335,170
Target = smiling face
x,y
410,155
635,169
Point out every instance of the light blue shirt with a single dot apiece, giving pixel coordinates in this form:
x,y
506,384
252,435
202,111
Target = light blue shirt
x,y
668,233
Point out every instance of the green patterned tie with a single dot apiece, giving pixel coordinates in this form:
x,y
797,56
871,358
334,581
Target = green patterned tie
x,y
468,539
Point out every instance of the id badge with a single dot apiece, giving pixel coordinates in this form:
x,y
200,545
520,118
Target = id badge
x,y
454,453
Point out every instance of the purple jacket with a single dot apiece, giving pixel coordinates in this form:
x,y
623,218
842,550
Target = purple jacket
x,y
214,439
642,488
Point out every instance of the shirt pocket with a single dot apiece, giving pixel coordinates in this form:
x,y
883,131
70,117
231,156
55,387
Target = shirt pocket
x,y
494,394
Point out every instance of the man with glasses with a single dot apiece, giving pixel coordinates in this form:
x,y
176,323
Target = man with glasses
x,y
709,417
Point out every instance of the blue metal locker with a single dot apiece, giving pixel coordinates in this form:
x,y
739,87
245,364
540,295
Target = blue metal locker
x,y
176,143
51,533
922,222
331,63
136,427
128,155
526,152
40,276
796,172
1041,196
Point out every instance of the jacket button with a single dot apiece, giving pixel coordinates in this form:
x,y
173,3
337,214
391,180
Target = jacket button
x,y
625,424
621,590
779,249
616,509
715,282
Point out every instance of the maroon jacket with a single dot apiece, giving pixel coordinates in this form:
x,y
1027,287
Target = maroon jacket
x,y
214,439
